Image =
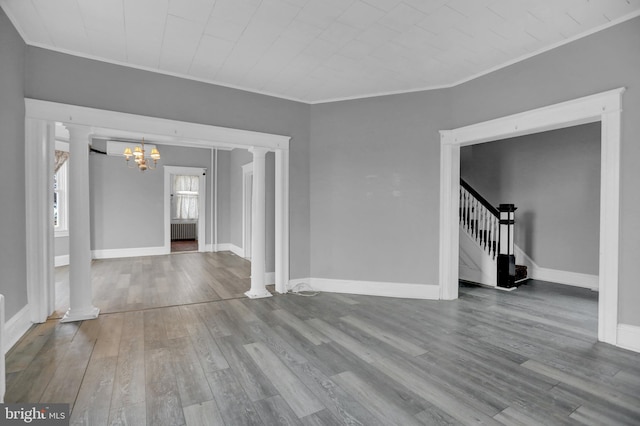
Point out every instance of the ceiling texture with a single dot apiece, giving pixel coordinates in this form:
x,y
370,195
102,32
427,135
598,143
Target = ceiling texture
x,y
314,50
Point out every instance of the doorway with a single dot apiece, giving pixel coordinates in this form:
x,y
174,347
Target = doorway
x,y
604,107
185,209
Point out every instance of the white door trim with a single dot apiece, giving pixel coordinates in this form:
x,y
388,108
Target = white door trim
x,y
201,172
247,174
605,107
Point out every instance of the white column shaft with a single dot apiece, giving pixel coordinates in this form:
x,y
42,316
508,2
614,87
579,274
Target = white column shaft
x,y
258,231
80,287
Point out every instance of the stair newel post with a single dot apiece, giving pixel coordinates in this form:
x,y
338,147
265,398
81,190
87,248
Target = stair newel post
x,y
506,255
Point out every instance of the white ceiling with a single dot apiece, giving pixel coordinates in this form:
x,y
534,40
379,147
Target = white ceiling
x,y
314,50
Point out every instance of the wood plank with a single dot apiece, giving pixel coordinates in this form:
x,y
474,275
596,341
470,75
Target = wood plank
x,y
235,407
108,341
94,397
248,375
390,338
309,333
129,383
127,415
299,398
162,395
360,350
434,394
203,414
275,411
599,390
374,400
192,384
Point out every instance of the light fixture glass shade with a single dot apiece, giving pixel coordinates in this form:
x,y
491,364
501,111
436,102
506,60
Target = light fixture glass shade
x,y
155,154
127,153
137,151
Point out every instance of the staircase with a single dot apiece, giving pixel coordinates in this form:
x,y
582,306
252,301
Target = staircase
x,y
479,240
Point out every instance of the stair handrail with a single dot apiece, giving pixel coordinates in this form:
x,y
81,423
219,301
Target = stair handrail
x,y
479,219
480,198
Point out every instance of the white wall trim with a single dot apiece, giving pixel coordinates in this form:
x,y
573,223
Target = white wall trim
x,y
229,247
222,247
629,337
39,149
62,260
575,279
605,107
371,288
128,252
536,272
201,172
15,327
119,124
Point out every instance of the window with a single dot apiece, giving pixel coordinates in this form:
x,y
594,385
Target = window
x,y
185,197
60,205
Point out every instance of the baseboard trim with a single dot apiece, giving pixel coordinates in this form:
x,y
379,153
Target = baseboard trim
x,y
62,260
372,288
575,279
128,252
209,247
222,247
629,337
16,327
238,251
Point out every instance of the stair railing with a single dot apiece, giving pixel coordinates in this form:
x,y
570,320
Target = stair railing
x,y
479,219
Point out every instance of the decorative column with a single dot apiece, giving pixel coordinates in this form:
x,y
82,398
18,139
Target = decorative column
x,y
506,256
80,287
258,232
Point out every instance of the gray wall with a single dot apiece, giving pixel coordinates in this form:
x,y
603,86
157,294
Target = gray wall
x,y
374,187
239,157
13,264
57,77
603,61
224,197
61,246
127,206
553,178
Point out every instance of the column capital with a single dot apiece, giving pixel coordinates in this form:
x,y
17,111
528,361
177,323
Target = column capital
x,y
78,132
258,151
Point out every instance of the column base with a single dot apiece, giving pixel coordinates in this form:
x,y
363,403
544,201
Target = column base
x,y
261,295
80,314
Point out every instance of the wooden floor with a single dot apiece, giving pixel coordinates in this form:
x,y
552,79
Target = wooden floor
x,y
127,284
527,357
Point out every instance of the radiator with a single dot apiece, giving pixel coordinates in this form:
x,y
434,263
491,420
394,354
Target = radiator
x,y
183,231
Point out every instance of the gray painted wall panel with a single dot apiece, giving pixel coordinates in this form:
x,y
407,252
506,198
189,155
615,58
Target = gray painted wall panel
x,y
224,200
13,263
61,246
127,206
63,78
603,61
239,157
375,188
553,178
